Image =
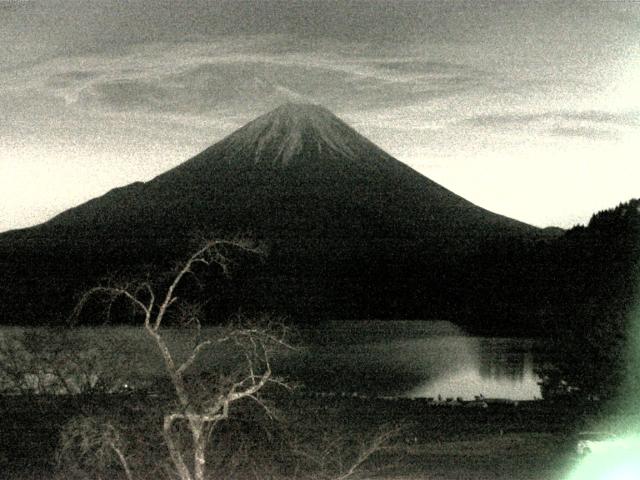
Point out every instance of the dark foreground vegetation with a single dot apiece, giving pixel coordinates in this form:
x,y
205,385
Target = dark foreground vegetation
x,y
239,420
215,412
531,440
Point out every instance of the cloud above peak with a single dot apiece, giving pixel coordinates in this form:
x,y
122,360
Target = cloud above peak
x,y
445,86
200,77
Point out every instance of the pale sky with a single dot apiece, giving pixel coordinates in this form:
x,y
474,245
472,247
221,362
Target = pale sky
x,y
529,109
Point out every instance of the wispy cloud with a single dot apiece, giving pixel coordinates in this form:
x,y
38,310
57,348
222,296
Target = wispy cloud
x,y
629,118
585,131
439,82
214,76
594,124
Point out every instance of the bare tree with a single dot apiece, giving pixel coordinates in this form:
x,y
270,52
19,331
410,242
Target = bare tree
x,y
93,440
204,400
339,456
198,411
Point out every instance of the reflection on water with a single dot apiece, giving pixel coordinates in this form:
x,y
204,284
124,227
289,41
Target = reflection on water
x,y
494,368
415,359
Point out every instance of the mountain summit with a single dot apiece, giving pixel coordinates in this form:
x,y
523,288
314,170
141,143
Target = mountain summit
x,y
352,232
294,135
294,132
297,171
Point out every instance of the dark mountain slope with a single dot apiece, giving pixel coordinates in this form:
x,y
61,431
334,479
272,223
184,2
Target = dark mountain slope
x,y
352,232
296,170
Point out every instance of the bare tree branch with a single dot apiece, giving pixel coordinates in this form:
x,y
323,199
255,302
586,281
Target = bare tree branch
x,y
200,417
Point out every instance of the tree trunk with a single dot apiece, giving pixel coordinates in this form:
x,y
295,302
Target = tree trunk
x,y
200,443
123,461
174,452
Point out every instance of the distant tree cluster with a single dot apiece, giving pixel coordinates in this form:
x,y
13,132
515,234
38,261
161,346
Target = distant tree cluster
x,y
596,298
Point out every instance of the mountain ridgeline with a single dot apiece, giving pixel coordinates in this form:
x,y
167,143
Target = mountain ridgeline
x,y
296,172
350,231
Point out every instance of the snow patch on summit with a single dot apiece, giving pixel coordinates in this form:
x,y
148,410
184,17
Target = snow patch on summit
x,y
284,133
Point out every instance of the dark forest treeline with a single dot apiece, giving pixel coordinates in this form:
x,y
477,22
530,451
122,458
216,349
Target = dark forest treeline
x,y
539,285
580,290
596,299
576,288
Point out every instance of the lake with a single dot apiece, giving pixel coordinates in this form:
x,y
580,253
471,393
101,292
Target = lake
x,y
373,358
415,359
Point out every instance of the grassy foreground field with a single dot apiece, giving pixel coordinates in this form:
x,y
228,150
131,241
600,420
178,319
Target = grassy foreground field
x,y
525,442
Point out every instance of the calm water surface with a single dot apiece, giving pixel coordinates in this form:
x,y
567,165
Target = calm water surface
x,y
373,358
415,359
